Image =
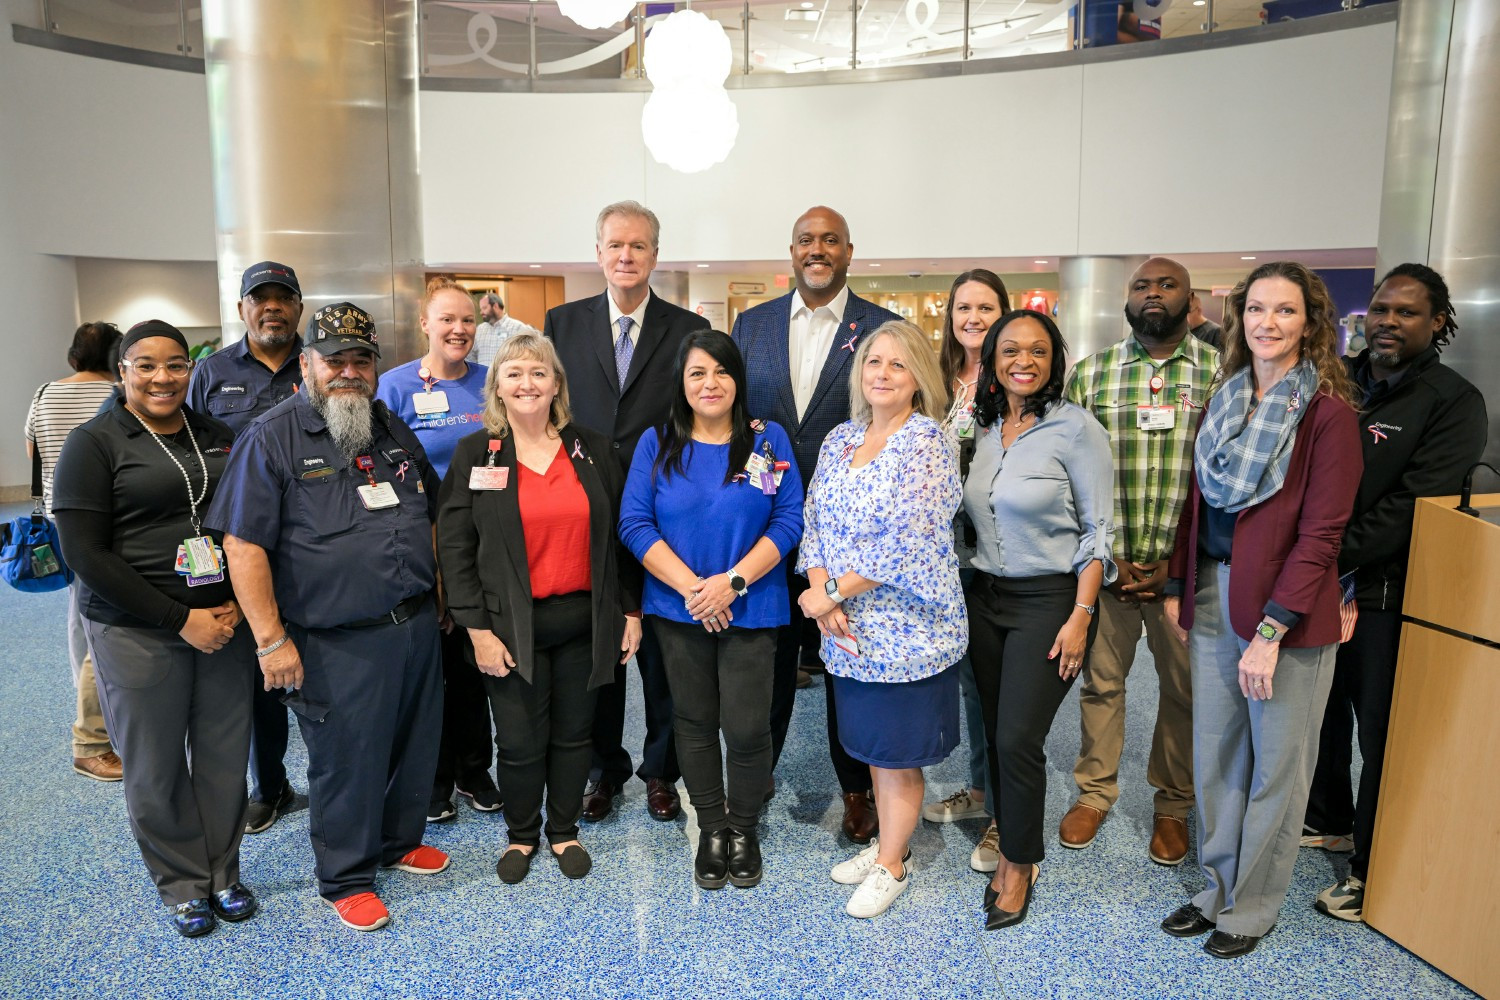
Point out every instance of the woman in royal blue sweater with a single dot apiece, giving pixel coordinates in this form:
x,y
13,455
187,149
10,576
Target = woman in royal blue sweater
x,y
712,506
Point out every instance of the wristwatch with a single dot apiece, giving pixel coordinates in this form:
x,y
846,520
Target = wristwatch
x,y
831,588
1269,632
736,582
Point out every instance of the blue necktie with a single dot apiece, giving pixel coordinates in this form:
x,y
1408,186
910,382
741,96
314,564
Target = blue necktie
x,y
623,350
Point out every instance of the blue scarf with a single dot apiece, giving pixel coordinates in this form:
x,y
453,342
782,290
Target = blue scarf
x,y
1241,457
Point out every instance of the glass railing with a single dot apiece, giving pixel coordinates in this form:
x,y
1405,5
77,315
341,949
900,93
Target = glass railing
x,y
482,40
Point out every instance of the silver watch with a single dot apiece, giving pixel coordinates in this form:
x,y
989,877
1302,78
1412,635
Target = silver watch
x,y
831,588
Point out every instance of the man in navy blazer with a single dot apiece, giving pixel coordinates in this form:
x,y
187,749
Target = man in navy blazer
x,y
619,350
797,350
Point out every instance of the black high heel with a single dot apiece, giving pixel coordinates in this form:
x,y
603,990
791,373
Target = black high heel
x,y
996,918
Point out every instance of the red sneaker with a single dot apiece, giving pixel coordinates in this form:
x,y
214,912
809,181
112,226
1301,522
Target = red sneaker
x,y
363,912
422,860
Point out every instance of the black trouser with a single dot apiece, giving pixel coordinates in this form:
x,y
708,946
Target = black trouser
x,y
269,732
1364,679
1013,623
853,776
464,753
542,726
721,681
611,761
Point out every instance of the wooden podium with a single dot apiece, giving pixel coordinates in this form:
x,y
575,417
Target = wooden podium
x,y
1434,885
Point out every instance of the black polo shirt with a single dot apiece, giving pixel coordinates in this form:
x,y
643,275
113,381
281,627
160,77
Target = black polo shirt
x,y
111,465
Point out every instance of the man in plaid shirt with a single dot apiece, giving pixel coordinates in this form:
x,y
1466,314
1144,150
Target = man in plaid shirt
x,y
1148,392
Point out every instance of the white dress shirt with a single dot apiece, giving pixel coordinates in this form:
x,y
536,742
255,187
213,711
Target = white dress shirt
x,y
636,317
810,336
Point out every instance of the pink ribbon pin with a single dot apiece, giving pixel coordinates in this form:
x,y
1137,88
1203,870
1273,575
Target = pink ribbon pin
x,y
577,448
1376,433
850,345
401,471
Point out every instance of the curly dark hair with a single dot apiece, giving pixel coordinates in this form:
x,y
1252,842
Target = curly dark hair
x,y
989,398
1437,297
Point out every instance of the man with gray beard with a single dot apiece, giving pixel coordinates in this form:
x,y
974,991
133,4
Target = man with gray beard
x,y
326,509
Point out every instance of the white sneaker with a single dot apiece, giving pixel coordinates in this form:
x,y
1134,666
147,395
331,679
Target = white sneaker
x,y
853,871
986,856
959,805
877,892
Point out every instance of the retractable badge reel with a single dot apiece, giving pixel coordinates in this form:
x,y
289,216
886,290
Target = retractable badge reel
x,y
1156,416
428,403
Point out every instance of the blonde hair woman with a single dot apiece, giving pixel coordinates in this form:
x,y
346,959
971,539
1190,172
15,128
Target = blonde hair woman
x,y
534,572
877,549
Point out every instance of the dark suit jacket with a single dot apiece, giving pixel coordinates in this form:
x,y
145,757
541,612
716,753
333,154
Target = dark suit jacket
x,y
482,550
586,345
1286,547
761,334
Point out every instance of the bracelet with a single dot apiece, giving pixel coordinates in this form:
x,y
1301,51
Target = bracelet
x,y
273,647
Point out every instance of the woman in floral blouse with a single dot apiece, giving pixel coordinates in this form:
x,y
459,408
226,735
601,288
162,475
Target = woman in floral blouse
x,y
877,549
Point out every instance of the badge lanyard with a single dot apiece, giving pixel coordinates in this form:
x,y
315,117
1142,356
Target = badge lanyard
x,y
490,476
198,558
428,403
763,471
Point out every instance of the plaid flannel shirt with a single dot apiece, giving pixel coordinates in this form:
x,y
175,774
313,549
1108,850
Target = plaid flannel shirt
x,y
1151,467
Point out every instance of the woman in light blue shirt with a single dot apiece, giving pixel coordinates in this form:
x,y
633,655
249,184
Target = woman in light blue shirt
x,y
877,549
1040,494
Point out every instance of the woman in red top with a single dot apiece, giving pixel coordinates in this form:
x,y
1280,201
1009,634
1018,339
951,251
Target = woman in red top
x,y
532,568
1255,574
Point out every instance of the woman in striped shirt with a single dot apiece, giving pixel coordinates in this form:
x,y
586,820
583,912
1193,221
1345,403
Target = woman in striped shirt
x,y
56,409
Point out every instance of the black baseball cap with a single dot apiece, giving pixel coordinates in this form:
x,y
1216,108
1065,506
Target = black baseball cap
x,y
339,327
268,272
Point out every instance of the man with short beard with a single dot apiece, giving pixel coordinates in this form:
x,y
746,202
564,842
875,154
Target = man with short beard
x,y
237,384
1148,391
326,509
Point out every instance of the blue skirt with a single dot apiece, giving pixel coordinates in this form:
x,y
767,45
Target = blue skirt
x,y
906,724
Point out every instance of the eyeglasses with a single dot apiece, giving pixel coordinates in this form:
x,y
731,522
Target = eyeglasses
x,y
146,369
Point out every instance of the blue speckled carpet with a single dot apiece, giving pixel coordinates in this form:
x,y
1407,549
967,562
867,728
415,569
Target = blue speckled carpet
x,y
80,919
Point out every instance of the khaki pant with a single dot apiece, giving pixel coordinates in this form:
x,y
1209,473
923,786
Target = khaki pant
x,y
89,736
1102,709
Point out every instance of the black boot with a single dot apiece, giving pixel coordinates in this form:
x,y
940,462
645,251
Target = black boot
x,y
711,867
744,858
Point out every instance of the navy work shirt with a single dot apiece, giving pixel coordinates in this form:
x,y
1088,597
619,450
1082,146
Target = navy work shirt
x,y
290,490
233,385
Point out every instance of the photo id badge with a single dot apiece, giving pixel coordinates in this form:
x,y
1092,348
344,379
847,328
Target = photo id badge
x,y
429,404
488,477
44,560
378,496
202,560
849,645
1155,418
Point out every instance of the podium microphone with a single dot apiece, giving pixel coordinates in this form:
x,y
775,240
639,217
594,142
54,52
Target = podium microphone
x,y
1468,490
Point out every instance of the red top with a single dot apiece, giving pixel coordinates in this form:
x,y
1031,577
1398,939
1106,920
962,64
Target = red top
x,y
555,521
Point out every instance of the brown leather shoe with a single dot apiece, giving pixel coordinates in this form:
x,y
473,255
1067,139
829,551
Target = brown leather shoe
x,y
804,679
1169,840
1080,826
661,800
861,822
599,799
105,767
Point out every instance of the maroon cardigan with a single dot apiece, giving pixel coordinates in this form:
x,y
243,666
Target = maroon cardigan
x,y
1286,547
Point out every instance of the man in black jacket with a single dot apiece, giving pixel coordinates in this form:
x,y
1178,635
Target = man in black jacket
x,y
619,350
1424,426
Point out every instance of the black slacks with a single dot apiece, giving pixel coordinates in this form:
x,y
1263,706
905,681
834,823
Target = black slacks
x,y
464,752
1012,625
1364,679
611,761
721,681
542,726
853,775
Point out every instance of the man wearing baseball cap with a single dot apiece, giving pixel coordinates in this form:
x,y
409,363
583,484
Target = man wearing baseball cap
x,y
237,384
326,508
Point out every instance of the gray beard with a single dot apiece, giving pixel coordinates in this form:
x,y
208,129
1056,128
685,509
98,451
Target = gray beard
x,y
349,419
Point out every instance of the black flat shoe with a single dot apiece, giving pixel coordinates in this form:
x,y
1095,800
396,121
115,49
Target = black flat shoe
x,y
514,865
1222,944
574,861
744,858
711,866
996,918
194,918
234,903
1187,921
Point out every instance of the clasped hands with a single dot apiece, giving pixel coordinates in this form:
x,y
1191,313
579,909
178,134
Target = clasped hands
x,y
708,601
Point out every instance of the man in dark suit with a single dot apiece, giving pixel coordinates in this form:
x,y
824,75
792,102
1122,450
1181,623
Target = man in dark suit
x,y
619,350
797,350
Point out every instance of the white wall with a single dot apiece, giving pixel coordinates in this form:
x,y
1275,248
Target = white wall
x,y
126,292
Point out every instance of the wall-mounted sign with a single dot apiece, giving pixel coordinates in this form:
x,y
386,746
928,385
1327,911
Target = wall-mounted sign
x,y
747,288
716,314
